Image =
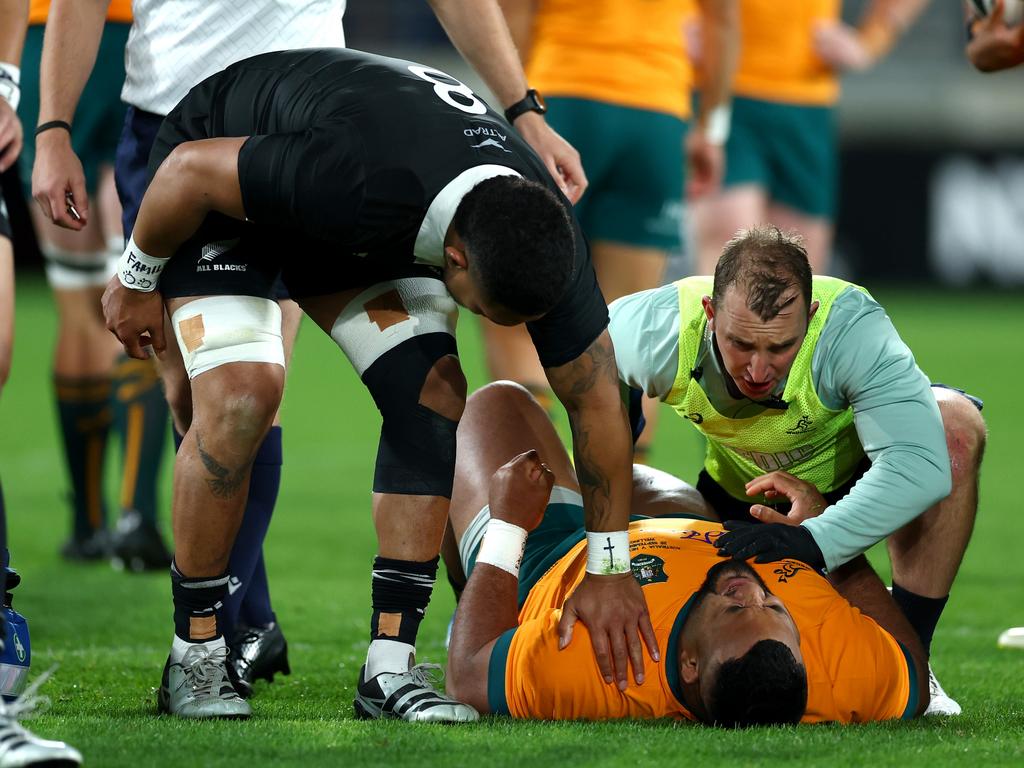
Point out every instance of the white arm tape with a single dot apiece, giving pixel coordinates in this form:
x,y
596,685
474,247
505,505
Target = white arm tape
x,y
137,270
10,80
718,123
502,546
607,552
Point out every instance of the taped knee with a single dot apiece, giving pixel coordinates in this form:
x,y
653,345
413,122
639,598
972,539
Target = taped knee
x,y
217,330
416,454
72,271
394,333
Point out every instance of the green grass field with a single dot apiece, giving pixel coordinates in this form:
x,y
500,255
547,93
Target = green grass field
x,y
110,632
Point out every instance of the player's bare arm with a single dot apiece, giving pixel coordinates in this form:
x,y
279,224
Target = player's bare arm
x,y
479,32
73,32
860,585
518,495
883,22
720,44
612,606
519,18
197,178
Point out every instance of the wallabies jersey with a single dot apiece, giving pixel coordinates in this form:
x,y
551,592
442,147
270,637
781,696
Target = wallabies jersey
x,y
364,158
856,671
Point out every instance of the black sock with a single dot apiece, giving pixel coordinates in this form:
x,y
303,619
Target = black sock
x,y
195,605
84,424
401,592
140,417
922,612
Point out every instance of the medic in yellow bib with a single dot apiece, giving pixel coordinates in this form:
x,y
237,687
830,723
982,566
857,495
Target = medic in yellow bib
x,y
793,377
744,644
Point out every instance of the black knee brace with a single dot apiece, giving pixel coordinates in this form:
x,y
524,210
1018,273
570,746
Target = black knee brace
x,y
416,455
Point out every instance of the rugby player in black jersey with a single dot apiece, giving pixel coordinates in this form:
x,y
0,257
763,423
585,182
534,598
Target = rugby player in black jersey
x,y
378,189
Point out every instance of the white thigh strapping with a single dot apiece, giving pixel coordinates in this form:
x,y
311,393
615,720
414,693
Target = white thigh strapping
x,y
389,313
228,329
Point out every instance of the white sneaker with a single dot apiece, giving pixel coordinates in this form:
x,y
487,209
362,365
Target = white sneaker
x,y
412,696
941,704
1012,638
20,747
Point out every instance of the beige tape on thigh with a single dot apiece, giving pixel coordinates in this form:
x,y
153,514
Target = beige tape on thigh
x,y
228,329
389,313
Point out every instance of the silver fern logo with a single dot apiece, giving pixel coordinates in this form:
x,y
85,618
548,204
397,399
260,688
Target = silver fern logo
x,y
212,250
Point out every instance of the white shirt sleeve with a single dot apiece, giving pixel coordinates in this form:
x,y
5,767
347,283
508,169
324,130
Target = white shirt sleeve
x,y
644,328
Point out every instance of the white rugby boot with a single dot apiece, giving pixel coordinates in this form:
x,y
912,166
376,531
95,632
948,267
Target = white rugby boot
x,y
19,747
198,686
941,704
412,696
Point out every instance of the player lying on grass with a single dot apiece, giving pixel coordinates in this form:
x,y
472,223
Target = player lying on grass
x,y
744,643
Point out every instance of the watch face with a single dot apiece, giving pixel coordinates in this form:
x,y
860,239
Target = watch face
x,y
541,105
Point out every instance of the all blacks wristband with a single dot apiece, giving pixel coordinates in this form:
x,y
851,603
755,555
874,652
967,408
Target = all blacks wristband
x,y
137,270
502,546
607,552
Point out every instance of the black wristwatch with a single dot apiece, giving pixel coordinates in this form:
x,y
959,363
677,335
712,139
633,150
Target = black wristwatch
x,y
532,102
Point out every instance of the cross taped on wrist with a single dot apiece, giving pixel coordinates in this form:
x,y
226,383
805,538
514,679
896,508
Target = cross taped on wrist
x,y
607,552
502,546
137,270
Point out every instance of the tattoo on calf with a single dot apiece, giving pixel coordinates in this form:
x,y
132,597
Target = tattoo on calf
x,y
225,482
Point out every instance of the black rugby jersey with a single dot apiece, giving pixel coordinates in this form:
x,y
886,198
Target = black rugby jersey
x,y
349,148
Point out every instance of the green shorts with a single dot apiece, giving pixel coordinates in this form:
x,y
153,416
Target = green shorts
x,y
562,528
634,162
787,149
100,115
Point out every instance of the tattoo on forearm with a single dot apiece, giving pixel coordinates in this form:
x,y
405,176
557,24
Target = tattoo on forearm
x,y
595,487
225,483
594,365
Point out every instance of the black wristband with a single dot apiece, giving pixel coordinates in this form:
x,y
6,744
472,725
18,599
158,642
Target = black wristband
x,y
53,124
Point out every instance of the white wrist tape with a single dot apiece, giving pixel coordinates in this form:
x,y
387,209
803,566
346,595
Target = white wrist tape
x,y
137,270
608,552
10,79
717,128
502,546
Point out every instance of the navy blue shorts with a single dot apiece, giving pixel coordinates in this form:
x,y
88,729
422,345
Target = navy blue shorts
x,y
131,162
131,172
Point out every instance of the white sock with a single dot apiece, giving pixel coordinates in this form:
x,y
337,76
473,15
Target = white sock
x,y
179,646
389,656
